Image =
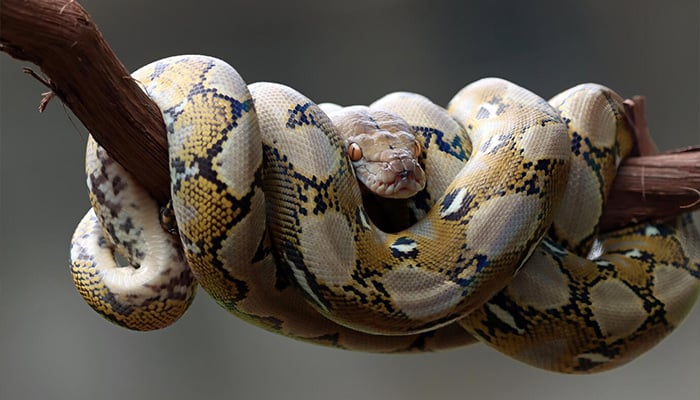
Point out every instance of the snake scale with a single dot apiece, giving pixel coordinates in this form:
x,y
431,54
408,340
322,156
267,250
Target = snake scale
x,y
502,246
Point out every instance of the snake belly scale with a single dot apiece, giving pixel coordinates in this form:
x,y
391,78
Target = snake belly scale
x,y
272,225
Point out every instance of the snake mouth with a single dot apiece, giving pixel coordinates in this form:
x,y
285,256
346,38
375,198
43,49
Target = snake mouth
x,y
397,179
403,187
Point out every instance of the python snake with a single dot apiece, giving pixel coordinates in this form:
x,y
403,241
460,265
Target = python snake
x,y
502,247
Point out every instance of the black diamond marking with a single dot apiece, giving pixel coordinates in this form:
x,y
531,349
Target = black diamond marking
x,y
609,351
420,342
361,275
297,258
365,278
543,165
380,288
283,278
300,115
269,322
376,301
529,181
463,209
579,300
361,215
118,184
495,323
421,201
401,254
127,225
333,339
244,205
262,251
317,188
237,107
592,156
477,263
454,148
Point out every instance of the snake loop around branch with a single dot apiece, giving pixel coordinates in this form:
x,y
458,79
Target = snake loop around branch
x,y
272,225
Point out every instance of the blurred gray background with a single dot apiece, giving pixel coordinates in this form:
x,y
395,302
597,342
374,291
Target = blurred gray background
x,y
54,346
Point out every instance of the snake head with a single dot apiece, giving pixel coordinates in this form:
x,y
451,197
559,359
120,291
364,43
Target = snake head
x,y
383,149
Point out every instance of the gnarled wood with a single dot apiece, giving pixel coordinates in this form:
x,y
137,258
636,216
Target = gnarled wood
x,y
87,76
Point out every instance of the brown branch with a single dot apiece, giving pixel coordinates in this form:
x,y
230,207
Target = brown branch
x,y
654,187
82,70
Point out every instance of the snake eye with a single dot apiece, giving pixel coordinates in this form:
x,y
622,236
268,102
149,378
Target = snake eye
x,y
354,152
417,148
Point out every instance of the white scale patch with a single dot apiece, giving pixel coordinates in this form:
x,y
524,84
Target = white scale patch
x,y
455,204
405,247
596,250
634,253
300,278
363,220
594,357
651,231
554,249
504,316
618,160
491,108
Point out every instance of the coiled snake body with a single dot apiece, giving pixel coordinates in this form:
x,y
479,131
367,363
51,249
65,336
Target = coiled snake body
x,y
272,225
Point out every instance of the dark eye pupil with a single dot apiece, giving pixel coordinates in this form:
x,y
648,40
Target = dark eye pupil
x,y
354,152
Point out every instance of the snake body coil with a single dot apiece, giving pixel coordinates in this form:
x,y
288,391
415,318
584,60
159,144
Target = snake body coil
x,y
272,225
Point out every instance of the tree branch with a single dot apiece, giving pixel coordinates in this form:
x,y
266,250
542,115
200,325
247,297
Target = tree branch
x,y
655,187
83,71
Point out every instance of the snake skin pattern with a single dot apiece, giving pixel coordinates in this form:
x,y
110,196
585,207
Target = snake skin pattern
x,y
504,248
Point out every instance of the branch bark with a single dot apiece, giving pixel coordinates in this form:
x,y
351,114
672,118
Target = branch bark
x,y
655,187
83,71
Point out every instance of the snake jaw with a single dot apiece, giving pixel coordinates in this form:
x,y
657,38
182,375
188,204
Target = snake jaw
x,y
398,178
